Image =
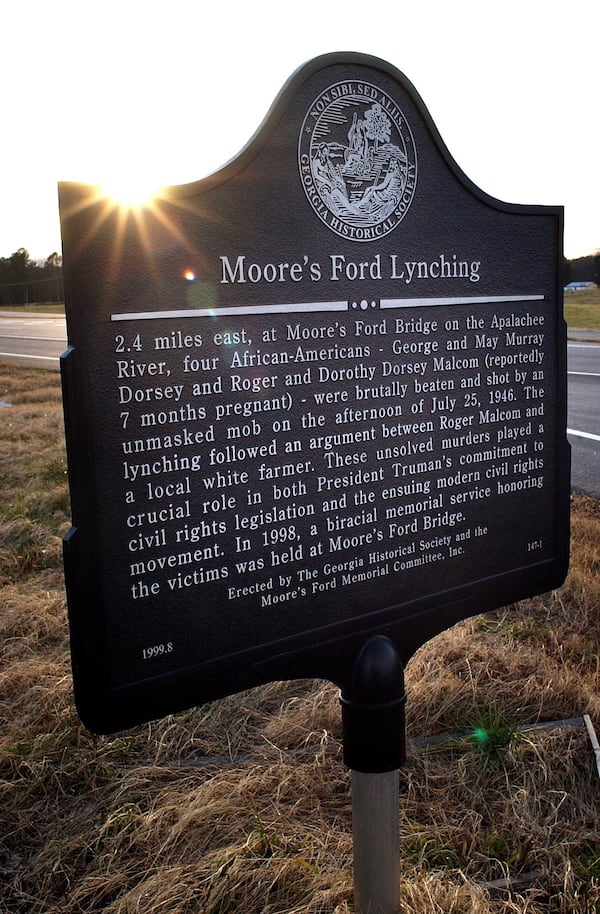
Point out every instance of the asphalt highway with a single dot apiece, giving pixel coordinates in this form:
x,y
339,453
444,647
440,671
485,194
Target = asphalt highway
x,y
583,413
32,340
38,340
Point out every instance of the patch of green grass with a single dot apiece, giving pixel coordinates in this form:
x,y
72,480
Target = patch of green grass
x,y
15,509
263,841
587,863
55,470
51,307
428,851
489,732
582,309
26,549
496,844
515,628
226,905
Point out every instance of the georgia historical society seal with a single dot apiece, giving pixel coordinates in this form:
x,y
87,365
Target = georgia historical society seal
x,y
357,160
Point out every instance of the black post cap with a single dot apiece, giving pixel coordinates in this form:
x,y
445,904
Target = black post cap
x,y
373,717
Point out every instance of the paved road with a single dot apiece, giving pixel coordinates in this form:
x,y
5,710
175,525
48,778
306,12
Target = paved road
x,y
583,420
32,340
38,340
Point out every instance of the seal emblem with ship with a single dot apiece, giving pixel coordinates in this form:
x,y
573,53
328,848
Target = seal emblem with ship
x,y
357,160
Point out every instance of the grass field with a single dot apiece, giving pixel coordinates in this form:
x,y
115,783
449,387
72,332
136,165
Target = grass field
x,y
582,309
43,308
244,805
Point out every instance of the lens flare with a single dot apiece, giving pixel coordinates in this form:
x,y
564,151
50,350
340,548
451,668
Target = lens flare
x,y
130,191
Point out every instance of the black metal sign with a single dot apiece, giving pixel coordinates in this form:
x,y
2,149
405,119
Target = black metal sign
x,y
316,397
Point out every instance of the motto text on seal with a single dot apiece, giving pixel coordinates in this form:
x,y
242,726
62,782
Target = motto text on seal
x,y
357,160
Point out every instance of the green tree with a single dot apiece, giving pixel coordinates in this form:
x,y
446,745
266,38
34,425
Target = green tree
x,y
18,277
51,272
23,280
20,262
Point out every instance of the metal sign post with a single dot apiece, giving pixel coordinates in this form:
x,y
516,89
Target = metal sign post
x,y
374,748
376,836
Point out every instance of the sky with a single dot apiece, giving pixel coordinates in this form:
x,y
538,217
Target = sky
x,y
168,92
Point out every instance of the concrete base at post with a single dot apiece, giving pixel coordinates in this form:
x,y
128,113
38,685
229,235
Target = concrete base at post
x,y
376,835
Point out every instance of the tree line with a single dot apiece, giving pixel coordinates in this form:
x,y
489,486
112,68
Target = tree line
x,y
24,281
583,269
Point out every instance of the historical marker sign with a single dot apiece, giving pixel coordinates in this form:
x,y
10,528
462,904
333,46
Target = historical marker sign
x,y
315,397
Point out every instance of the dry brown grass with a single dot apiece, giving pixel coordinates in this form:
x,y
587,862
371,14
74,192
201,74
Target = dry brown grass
x,y
244,805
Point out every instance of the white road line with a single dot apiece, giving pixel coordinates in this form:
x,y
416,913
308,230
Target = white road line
x,y
19,355
572,431
44,339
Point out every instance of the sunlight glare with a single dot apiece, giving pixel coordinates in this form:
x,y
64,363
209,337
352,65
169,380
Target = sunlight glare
x,y
130,191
